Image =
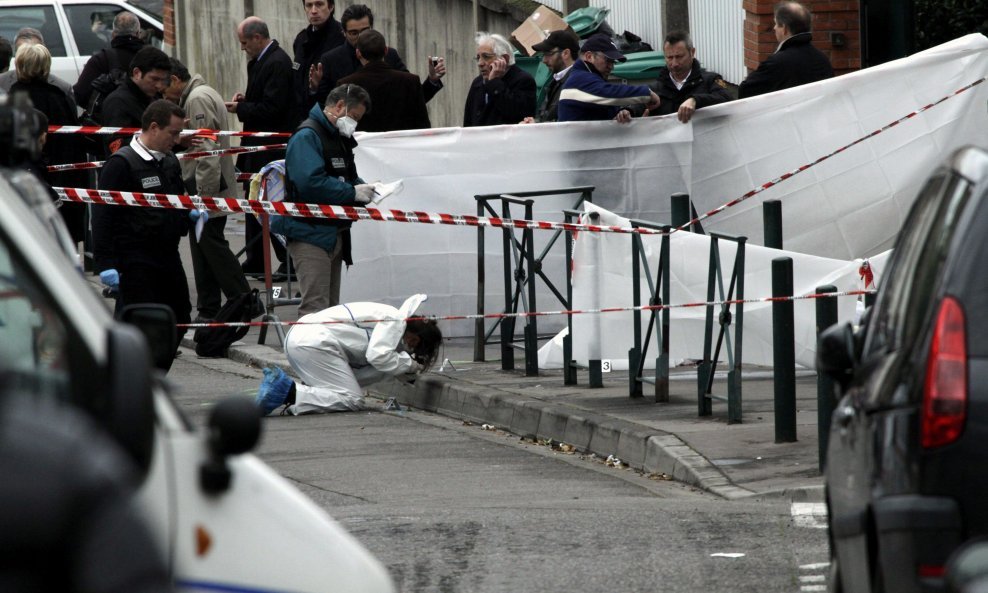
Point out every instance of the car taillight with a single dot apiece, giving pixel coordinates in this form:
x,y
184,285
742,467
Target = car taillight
x,y
945,388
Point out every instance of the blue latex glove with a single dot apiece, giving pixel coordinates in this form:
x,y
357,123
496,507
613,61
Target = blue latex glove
x,y
110,278
195,213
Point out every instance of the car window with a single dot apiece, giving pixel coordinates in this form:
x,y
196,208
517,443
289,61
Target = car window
x,y
34,351
42,18
92,26
911,282
155,8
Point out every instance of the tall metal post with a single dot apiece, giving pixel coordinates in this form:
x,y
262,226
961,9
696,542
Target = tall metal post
x,y
772,221
784,351
680,206
478,324
507,323
531,325
826,315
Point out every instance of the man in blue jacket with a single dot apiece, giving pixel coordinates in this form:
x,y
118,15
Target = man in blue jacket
x,y
320,169
587,95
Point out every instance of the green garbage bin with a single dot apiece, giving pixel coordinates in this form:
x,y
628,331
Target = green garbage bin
x,y
641,67
539,71
586,21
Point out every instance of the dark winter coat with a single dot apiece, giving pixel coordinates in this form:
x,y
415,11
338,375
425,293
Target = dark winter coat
x,y
505,100
308,47
707,88
124,46
342,62
396,99
795,63
268,105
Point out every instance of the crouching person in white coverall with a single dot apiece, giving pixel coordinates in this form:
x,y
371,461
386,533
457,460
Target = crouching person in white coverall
x,y
335,361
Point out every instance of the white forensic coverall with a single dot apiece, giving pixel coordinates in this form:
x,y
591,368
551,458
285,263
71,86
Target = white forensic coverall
x,y
334,361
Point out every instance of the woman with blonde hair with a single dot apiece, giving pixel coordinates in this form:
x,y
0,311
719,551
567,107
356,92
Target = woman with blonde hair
x,y
33,65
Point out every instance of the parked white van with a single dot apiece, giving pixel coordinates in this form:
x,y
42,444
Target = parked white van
x,y
226,521
76,29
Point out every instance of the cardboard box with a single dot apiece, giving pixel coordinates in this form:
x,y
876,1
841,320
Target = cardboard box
x,y
535,29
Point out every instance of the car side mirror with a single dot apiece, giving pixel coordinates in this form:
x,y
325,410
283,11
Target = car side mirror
x,y
127,410
835,353
157,323
234,427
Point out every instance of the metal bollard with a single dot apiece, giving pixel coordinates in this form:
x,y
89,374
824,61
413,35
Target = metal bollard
x,y
772,223
826,315
784,351
680,204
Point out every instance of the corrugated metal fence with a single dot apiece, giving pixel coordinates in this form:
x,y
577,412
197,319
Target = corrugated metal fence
x,y
718,33
717,27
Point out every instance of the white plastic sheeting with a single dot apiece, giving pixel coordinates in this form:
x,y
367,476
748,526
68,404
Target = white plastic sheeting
x,y
606,336
847,207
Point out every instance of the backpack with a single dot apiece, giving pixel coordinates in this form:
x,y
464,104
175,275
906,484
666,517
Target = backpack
x,y
213,342
103,85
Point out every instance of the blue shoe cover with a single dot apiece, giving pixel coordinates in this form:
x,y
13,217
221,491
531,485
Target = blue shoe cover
x,y
273,390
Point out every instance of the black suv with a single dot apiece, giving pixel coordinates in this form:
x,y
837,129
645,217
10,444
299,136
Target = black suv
x,y
907,461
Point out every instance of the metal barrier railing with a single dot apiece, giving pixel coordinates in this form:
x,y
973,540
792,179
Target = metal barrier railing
x,y
636,355
708,365
521,267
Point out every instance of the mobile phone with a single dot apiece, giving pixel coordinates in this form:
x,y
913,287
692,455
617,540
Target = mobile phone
x,y
435,60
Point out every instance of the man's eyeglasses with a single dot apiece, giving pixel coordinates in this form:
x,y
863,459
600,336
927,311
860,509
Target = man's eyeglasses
x,y
356,32
603,57
485,57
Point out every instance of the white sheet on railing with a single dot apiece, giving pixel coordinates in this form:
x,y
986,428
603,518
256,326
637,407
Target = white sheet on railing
x,y
848,207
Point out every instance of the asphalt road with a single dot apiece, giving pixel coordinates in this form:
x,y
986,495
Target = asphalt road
x,y
451,507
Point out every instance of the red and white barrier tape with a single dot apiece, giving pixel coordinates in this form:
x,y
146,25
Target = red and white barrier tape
x,y
184,156
105,130
297,210
541,313
799,170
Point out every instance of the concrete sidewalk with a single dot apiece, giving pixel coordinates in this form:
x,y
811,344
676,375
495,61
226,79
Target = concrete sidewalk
x,y
733,461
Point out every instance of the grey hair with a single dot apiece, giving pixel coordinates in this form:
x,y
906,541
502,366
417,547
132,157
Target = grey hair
x,y
126,23
502,47
28,35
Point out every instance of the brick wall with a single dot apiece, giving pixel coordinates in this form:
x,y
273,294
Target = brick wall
x,y
828,17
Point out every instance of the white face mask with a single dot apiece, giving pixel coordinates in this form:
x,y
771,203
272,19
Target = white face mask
x,y
346,125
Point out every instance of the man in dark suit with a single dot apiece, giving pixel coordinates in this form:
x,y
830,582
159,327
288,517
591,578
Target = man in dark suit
x,y
267,106
396,96
560,50
503,93
342,61
795,62
323,34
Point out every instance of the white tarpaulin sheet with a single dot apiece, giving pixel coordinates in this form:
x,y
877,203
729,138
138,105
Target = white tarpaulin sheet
x,y
847,207
606,336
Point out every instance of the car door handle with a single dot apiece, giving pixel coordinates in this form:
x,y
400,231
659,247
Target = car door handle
x,y
844,415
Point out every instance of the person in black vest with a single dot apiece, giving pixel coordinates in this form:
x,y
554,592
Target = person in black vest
x,y
560,50
320,169
124,45
503,93
343,61
795,62
396,95
268,105
136,249
683,85
323,34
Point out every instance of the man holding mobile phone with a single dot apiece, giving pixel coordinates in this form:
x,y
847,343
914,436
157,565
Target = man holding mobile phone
x,y
503,93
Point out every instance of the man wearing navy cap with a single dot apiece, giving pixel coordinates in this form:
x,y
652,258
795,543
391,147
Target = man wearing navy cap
x,y
560,50
588,96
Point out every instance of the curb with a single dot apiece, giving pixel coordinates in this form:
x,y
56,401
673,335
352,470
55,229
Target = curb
x,y
641,448
644,449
